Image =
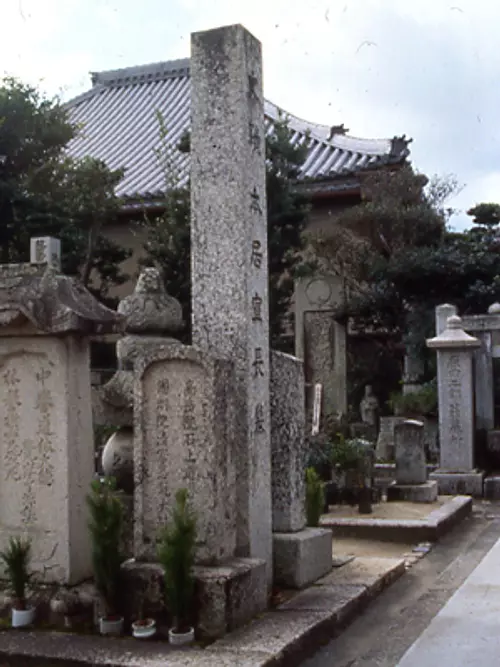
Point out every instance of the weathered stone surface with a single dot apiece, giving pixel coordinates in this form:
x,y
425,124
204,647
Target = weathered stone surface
x,y
339,600
287,443
184,436
464,484
321,341
229,253
414,493
52,303
386,438
456,398
46,453
373,573
302,558
230,595
143,585
150,309
410,452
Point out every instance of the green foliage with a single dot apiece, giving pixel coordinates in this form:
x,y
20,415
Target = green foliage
x,y
167,244
45,192
315,498
347,453
487,214
423,402
106,529
176,553
16,559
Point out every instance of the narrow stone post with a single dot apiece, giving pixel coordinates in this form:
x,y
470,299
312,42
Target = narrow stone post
x,y
229,253
455,348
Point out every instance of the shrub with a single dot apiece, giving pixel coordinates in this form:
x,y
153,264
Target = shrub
x,y
16,559
176,553
106,526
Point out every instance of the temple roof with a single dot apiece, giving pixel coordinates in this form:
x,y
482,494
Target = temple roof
x,y
119,124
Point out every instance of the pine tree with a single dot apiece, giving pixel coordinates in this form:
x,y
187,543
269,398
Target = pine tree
x,y
176,553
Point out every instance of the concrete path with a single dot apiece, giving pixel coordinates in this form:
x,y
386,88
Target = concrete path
x,y
466,632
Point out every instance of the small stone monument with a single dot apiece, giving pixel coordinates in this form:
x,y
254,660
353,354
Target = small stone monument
x,y
369,407
301,554
454,347
411,469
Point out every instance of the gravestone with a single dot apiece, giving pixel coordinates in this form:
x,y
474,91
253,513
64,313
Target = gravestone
x,y
410,453
229,254
46,448
456,473
320,340
411,468
301,555
184,438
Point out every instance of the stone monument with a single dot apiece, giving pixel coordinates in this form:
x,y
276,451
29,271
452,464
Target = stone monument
x,y
301,555
456,473
46,450
411,468
229,254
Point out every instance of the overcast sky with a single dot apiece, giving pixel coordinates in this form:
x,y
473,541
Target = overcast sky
x,y
429,69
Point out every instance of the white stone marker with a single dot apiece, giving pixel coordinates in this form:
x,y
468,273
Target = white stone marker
x,y
454,350
229,252
46,250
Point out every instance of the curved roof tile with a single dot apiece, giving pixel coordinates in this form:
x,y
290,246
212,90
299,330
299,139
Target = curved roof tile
x,y
119,125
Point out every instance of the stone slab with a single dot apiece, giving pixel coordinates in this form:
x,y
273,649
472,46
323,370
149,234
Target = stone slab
x,y
302,558
340,600
434,526
288,449
373,573
465,631
415,493
456,483
22,649
185,436
46,453
492,487
409,452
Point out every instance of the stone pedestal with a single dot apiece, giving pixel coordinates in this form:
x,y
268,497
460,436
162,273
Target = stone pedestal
x,y
46,448
456,410
226,596
300,555
229,254
302,558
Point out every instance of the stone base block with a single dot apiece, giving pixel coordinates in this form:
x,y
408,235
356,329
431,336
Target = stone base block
x,y
302,558
230,595
227,595
459,483
414,493
492,487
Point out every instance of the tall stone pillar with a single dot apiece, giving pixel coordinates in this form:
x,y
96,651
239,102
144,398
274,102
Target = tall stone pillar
x,y
456,473
229,253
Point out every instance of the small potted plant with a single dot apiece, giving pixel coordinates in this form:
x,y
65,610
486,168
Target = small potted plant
x,y
143,628
106,526
16,559
176,553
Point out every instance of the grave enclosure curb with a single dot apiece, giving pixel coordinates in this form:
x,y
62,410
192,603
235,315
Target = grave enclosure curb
x,y
430,529
279,638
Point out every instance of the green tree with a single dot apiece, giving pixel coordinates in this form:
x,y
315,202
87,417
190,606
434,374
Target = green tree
x,y
45,192
168,235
